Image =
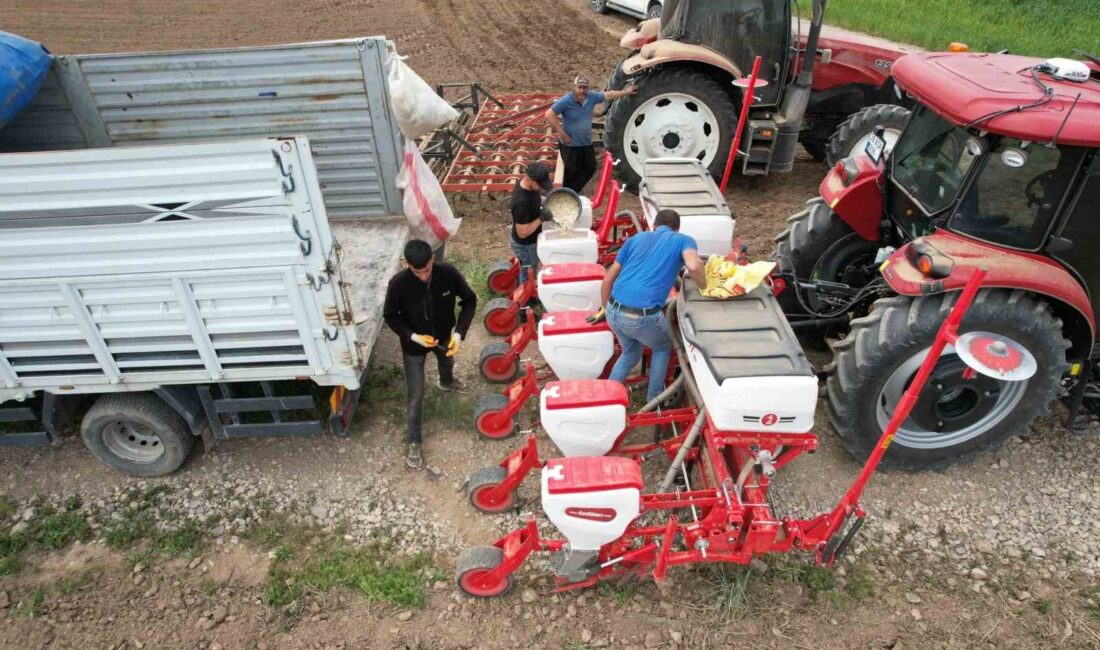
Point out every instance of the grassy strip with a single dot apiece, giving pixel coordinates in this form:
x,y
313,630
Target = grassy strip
x,y
1032,27
49,530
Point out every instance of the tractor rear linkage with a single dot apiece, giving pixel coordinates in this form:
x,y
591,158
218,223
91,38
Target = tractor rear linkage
x,y
725,519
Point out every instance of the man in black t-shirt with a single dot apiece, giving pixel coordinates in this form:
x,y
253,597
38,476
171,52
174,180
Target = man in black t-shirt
x,y
420,309
527,217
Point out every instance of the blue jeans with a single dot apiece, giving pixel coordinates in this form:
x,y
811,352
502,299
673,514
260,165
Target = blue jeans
x,y
528,257
633,332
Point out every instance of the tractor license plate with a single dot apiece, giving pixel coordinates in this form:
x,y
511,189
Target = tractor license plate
x,y
874,148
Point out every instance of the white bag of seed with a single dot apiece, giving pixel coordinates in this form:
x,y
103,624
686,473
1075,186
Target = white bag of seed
x,y
416,107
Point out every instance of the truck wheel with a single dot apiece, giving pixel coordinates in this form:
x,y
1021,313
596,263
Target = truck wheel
x,y
500,319
502,280
490,420
851,136
598,6
138,434
654,11
676,112
472,572
494,363
478,487
954,417
818,245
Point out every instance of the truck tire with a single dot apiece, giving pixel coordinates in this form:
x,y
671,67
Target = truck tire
x,y
136,433
852,134
685,113
598,6
818,245
955,417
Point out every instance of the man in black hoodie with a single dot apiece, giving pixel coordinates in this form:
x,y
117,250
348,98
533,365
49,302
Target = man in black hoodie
x,y
420,309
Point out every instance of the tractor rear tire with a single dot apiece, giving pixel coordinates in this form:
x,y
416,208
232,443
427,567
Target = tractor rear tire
x,y
501,280
136,433
818,245
851,136
490,421
470,570
500,319
491,363
477,488
672,81
955,417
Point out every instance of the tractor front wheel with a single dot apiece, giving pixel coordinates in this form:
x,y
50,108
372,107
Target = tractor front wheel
x,y
956,415
479,491
501,317
852,135
490,420
473,572
676,113
503,278
497,366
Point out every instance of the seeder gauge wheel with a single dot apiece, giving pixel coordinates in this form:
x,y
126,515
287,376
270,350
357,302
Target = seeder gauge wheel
x,y
490,420
501,318
473,572
479,487
494,365
502,280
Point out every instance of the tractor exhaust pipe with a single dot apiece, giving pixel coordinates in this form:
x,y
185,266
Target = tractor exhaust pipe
x,y
790,118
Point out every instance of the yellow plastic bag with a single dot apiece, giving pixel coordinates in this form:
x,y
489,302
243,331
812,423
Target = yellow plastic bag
x,y
728,280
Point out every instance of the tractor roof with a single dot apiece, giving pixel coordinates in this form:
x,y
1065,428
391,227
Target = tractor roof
x,y
967,87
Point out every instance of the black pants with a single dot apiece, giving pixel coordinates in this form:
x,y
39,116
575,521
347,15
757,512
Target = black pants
x,y
414,385
580,166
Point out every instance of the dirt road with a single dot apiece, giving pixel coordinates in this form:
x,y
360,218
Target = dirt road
x,y
992,554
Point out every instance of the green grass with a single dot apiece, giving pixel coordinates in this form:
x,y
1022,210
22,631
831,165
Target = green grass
x,y
367,570
385,392
1044,607
49,530
729,588
1034,27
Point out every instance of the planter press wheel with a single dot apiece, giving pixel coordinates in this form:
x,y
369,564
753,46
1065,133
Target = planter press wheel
x,y
494,365
500,319
490,420
478,487
472,572
501,280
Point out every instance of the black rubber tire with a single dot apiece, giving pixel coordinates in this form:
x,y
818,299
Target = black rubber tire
x,y
488,404
489,477
496,305
816,149
598,6
148,411
654,11
861,123
809,244
898,328
476,559
490,352
499,268
670,80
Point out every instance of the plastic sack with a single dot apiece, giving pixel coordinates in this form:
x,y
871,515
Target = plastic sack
x,y
416,107
426,208
726,279
23,66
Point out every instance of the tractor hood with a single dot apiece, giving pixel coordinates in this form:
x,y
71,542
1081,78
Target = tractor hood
x,y
665,51
964,88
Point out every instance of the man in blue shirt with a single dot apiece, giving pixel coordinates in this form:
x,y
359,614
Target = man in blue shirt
x,y
571,118
634,292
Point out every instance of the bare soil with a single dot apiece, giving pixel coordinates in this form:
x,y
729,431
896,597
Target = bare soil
x,y
515,45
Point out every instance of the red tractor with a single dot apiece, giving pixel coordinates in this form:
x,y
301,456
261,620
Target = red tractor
x,y
686,106
998,169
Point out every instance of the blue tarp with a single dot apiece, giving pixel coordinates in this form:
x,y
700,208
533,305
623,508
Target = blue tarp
x,y
23,66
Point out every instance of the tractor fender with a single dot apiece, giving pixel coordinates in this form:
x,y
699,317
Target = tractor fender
x,y
858,203
643,33
669,51
1005,269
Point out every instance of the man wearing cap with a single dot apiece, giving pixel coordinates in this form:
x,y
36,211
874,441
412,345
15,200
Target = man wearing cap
x,y
571,118
527,217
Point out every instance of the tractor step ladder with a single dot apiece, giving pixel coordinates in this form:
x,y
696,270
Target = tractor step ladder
x,y
760,138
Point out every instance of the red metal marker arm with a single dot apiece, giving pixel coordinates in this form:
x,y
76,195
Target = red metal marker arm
x,y
946,336
603,182
745,104
604,231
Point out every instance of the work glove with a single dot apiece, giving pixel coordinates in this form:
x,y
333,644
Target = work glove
x,y
598,317
424,340
452,345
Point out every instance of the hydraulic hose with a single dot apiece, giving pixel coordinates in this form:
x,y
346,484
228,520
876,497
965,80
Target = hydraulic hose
x,y
689,381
